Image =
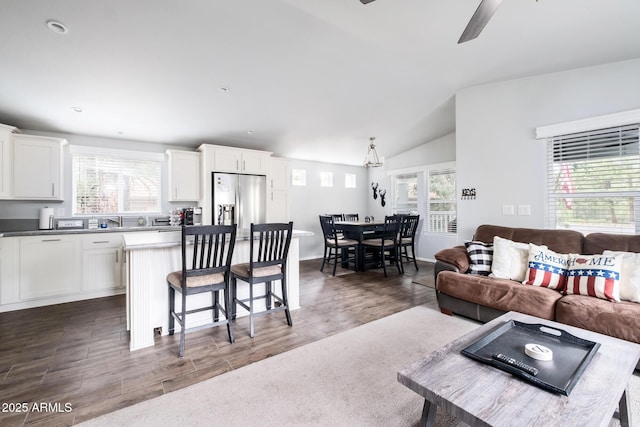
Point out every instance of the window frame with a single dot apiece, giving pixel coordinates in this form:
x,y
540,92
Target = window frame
x,y
583,130
423,173
78,151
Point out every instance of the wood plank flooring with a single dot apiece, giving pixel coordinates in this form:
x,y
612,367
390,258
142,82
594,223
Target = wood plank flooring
x,y
63,364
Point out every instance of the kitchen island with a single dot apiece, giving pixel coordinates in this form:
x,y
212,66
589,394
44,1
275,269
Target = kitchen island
x,y
150,257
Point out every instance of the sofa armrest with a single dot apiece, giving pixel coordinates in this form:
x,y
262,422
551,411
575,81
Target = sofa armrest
x,y
455,257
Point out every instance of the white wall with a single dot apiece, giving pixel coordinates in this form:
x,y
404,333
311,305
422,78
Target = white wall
x,y
496,149
312,200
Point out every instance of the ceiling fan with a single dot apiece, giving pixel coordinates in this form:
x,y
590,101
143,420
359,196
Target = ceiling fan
x,y
483,13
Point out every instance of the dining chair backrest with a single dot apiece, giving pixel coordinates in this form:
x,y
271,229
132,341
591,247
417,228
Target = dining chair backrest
x,y
212,249
391,227
337,217
409,226
351,217
328,228
269,244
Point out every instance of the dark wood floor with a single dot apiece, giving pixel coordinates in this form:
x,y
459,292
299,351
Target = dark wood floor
x,y
74,358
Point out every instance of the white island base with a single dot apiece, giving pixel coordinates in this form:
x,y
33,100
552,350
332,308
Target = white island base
x,y
151,256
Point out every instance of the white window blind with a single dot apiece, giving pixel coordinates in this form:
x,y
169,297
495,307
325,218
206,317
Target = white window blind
x,y
441,205
115,182
405,194
594,180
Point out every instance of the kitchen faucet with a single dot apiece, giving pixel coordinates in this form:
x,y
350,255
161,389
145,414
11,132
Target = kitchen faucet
x,y
116,220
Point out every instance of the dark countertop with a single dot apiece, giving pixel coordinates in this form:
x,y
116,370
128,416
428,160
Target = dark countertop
x,y
85,231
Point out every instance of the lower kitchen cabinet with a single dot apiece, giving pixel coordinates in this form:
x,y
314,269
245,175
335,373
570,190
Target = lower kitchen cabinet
x,y
58,268
102,261
49,266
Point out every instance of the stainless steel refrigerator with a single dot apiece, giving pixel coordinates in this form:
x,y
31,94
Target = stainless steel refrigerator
x,y
239,199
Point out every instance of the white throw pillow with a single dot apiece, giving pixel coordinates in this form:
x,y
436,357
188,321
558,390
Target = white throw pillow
x,y
629,275
510,259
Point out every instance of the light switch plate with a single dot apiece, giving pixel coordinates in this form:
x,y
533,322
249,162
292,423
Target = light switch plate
x,y
508,210
524,209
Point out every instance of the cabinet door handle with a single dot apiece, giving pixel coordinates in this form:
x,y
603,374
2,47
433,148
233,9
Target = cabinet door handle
x,y
244,165
117,254
50,240
237,165
101,241
53,189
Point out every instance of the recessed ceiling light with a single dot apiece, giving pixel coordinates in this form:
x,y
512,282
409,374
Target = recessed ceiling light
x,y
251,132
76,109
57,27
224,89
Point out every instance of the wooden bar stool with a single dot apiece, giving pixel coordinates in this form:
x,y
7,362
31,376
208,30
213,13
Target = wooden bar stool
x,y
268,251
207,271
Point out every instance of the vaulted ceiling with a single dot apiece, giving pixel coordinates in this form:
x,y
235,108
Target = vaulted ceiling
x,y
308,79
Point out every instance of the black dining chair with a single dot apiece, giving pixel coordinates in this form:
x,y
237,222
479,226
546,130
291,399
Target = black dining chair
x,y
386,246
407,239
351,217
268,251
205,268
344,250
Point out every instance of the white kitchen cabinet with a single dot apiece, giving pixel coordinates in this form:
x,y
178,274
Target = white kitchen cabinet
x,y
9,291
6,161
49,265
102,261
278,209
184,176
228,159
37,167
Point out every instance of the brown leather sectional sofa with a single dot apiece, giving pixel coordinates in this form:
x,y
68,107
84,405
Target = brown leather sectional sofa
x,y
485,298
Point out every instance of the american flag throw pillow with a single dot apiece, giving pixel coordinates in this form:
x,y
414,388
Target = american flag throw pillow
x,y
546,268
595,276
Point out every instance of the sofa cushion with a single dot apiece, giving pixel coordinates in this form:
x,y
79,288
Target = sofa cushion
x,y
561,241
594,275
546,268
621,320
500,294
510,259
480,257
596,243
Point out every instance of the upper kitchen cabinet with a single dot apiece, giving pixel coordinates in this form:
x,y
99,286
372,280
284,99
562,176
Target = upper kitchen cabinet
x,y
37,167
184,176
5,160
236,160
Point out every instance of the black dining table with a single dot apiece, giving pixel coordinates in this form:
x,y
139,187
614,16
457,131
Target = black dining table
x,y
360,230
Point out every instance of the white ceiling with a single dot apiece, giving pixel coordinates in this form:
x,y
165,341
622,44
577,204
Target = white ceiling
x,y
314,79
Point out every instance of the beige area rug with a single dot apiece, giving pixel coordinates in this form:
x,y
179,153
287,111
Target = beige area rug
x,y
348,379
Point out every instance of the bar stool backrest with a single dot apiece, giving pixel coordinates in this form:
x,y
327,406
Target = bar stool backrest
x,y
212,250
269,244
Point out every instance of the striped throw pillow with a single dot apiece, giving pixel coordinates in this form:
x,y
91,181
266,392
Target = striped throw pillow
x,y
595,276
480,257
546,268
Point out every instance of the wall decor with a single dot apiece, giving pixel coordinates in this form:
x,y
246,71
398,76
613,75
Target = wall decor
x,y
383,194
374,187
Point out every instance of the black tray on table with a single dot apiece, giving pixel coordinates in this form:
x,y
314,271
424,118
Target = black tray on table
x,y
571,354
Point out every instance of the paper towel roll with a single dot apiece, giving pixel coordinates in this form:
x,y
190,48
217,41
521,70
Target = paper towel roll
x,y
46,218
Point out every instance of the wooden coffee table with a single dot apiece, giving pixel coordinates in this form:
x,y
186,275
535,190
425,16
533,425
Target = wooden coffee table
x,y
481,395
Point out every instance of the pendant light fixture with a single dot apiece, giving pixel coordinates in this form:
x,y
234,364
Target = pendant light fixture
x,y
372,160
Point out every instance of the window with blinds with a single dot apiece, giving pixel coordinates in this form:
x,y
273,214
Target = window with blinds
x,y
594,180
122,183
441,206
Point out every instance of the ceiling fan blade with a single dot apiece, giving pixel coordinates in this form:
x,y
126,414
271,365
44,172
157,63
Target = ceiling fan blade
x,y
483,13
366,1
